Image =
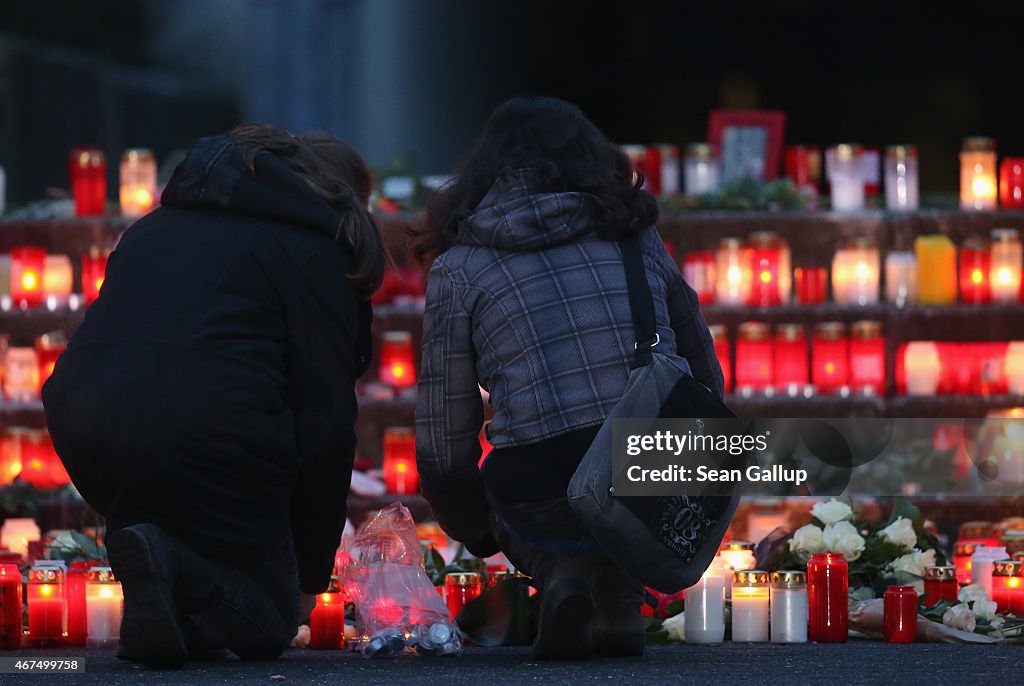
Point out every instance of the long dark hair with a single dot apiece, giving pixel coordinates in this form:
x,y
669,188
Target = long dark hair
x,y
342,178
569,152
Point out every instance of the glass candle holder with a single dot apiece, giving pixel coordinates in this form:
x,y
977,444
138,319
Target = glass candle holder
x,y
767,257
49,347
45,606
28,264
978,174
10,454
847,178
803,168
57,280
974,272
138,182
855,273
940,585
74,599
88,173
397,364
94,268
979,532
867,358
901,278
1011,183
21,375
811,285
699,272
669,169
791,359
828,614
327,622
104,602
901,187
962,555
1012,541
1008,586
830,357
936,269
732,274
701,169
922,368
734,556
721,338
750,617
754,363
1014,367
789,607
400,474
17,532
459,589
983,563
10,607
1005,261
900,614
704,618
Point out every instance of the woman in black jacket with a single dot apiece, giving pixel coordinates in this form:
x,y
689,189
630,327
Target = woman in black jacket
x,y
206,406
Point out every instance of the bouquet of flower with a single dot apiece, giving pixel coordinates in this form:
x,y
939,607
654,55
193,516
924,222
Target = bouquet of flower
x,y
975,612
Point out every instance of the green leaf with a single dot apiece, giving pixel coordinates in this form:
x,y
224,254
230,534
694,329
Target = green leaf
x,y
902,507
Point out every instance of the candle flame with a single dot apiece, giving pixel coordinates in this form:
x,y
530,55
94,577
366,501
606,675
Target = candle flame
x,y
398,370
830,367
325,598
1004,276
46,590
766,277
30,281
401,468
862,270
983,187
99,284
733,275
977,276
1013,582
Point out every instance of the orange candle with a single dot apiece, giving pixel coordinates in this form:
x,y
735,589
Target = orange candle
x,y
936,270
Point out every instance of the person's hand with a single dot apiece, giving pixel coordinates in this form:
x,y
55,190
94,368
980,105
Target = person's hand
x,y
306,604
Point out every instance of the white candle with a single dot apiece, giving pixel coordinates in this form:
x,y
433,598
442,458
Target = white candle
x,y
704,618
732,274
57,277
1006,256
846,174
982,564
1015,367
103,602
922,366
750,607
901,278
789,607
855,270
16,534
735,556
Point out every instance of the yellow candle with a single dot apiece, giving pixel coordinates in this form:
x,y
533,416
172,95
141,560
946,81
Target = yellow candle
x,y
936,270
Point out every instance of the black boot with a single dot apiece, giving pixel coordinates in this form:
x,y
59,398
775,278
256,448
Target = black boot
x,y
617,627
145,563
565,609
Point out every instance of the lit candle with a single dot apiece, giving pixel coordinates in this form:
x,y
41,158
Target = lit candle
x,y
88,171
763,254
1008,586
901,278
828,612
811,285
735,556
94,267
732,274
940,585
936,269
669,169
1005,265
1013,541
17,533
789,607
830,358
10,607
803,168
754,365
900,614
45,606
49,347
400,474
57,278
1014,367
977,532
327,622
104,601
1011,183
846,174
700,169
983,562
10,454
750,619
27,266
855,273
699,272
978,174
962,554
704,603
867,358
901,191
922,368
791,373
40,465
459,589
721,339
21,375
397,367
138,182
974,271
74,597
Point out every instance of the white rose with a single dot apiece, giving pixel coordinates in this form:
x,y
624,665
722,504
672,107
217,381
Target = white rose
x,y
997,622
959,617
842,537
971,593
909,563
831,512
985,609
807,538
928,558
675,627
900,532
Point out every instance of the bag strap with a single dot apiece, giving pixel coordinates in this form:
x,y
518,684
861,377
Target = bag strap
x,y
641,302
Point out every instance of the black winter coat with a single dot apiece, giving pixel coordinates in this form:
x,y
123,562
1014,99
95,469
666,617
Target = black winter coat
x,y
210,389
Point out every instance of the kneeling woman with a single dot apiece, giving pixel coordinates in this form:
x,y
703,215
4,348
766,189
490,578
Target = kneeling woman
x,y
206,406
527,298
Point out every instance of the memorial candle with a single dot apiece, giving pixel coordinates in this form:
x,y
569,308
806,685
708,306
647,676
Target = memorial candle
x,y
397,366
900,614
803,167
49,347
827,598
94,267
104,602
400,474
867,358
830,357
811,285
962,554
10,607
1005,259
57,279
74,599
978,174
138,182
701,169
16,533
10,454
901,278
791,367
763,253
901,188
1008,586
699,272
750,618
721,338
45,606
922,367
789,607
754,364
855,273
732,274
21,375
983,562
846,175
940,585
88,171
734,556
459,589
704,614
979,532
1011,183
974,271
27,266
327,622
1014,367
936,269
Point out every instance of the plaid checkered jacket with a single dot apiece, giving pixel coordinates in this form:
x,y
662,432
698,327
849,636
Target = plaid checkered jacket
x,y
532,306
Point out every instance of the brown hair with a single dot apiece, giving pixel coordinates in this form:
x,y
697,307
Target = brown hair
x,y
338,175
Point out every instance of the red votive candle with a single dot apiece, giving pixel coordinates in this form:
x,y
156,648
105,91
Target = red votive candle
x,y
811,285
49,347
397,366
459,589
721,338
10,607
699,272
45,606
791,368
74,594
94,268
867,358
974,268
830,357
1011,183
940,585
88,170
327,622
400,474
1008,586
27,265
900,607
827,602
754,364
978,532
962,554
763,254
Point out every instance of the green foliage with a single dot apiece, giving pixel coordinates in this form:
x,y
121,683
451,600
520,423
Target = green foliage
x,y
19,499
654,632
744,195
74,545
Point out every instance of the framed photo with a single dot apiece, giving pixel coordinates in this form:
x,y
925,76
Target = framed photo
x,y
750,142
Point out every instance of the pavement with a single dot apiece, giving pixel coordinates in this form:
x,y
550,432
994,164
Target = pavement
x,y
856,662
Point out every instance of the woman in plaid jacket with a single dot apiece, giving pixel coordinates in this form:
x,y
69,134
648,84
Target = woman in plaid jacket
x,y
527,299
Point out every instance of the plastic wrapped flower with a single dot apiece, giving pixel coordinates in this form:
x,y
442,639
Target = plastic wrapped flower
x,y
959,617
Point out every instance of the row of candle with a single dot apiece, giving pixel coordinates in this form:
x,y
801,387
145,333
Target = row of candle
x,y
757,272
29,276
78,605
87,169
25,369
